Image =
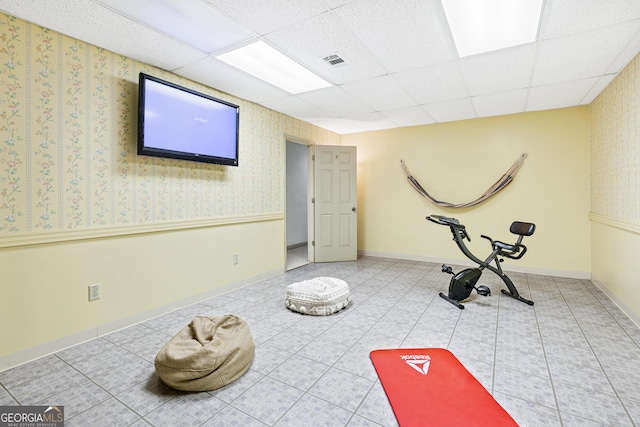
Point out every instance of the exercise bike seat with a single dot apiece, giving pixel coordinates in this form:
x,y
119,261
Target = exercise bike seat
x,y
521,229
504,246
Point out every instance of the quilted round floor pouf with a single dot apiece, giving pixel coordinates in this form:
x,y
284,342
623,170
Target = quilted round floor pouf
x,y
209,353
319,296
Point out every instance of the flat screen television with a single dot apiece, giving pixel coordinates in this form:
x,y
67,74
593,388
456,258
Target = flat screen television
x,y
180,123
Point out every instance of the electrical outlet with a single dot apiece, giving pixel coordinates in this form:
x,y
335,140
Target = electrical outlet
x,y
94,292
236,259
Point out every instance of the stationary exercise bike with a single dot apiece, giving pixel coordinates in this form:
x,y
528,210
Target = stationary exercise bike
x,y
464,282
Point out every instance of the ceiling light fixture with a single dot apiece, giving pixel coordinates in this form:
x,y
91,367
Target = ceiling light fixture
x,y
268,64
480,26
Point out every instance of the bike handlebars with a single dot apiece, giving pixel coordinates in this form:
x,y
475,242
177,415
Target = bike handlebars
x,y
450,222
443,220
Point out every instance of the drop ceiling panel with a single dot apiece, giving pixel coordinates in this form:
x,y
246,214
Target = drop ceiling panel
x,y
334,4
500,71
410,116
296,107
228,79
583,55
498,104
194,22
597,88
323,35
436,83
264,17
371,121
380,93
559,95
402,34
448,111
336,100
97,25
341,126
574,16
626,54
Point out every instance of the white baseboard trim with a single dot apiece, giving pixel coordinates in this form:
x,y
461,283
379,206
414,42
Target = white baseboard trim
x,y
297,245
635,318
466,262
15,359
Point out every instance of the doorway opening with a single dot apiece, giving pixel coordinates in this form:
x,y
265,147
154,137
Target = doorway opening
x,y
297,205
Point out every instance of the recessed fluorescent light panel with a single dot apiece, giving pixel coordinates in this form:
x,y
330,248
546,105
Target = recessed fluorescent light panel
x,y
480,26
268,64
190,21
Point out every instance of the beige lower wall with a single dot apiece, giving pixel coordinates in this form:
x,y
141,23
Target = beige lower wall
x,y
457,162
615,265
45,295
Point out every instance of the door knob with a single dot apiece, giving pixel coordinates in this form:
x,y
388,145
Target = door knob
x,y
353,209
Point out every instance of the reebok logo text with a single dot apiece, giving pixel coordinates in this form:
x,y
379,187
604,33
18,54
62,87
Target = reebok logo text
x,y
419,362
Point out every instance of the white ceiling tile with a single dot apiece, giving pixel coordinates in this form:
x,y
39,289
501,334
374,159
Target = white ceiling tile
x,y
499,71
435,83
580,56
337,100
334,4
402,34
597,88
323,35
99,26
411,116
559,95
380,93
370,121
295,107
626,55
459,109
340,126
497,104
195,23
264,17
229,79
563,17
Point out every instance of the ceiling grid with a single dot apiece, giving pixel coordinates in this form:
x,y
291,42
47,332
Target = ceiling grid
x,y
401,65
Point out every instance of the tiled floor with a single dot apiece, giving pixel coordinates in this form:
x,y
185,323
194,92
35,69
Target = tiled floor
x,y
297,257
570,360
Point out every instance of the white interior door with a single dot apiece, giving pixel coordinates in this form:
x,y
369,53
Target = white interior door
x,y
335,219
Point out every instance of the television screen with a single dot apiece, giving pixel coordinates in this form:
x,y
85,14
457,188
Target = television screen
x,y
180,123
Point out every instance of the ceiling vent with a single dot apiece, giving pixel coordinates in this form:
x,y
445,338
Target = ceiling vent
x,y
333,60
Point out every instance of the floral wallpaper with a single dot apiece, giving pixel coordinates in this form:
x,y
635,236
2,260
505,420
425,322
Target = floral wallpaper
x,y
68,124
615,147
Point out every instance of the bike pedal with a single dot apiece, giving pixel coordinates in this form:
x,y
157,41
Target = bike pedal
x,y
447,269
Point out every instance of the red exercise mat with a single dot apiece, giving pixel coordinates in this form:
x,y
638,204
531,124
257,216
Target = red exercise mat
x,y
430,387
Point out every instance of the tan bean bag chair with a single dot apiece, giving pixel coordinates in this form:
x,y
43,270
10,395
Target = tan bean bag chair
x,y
209,353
